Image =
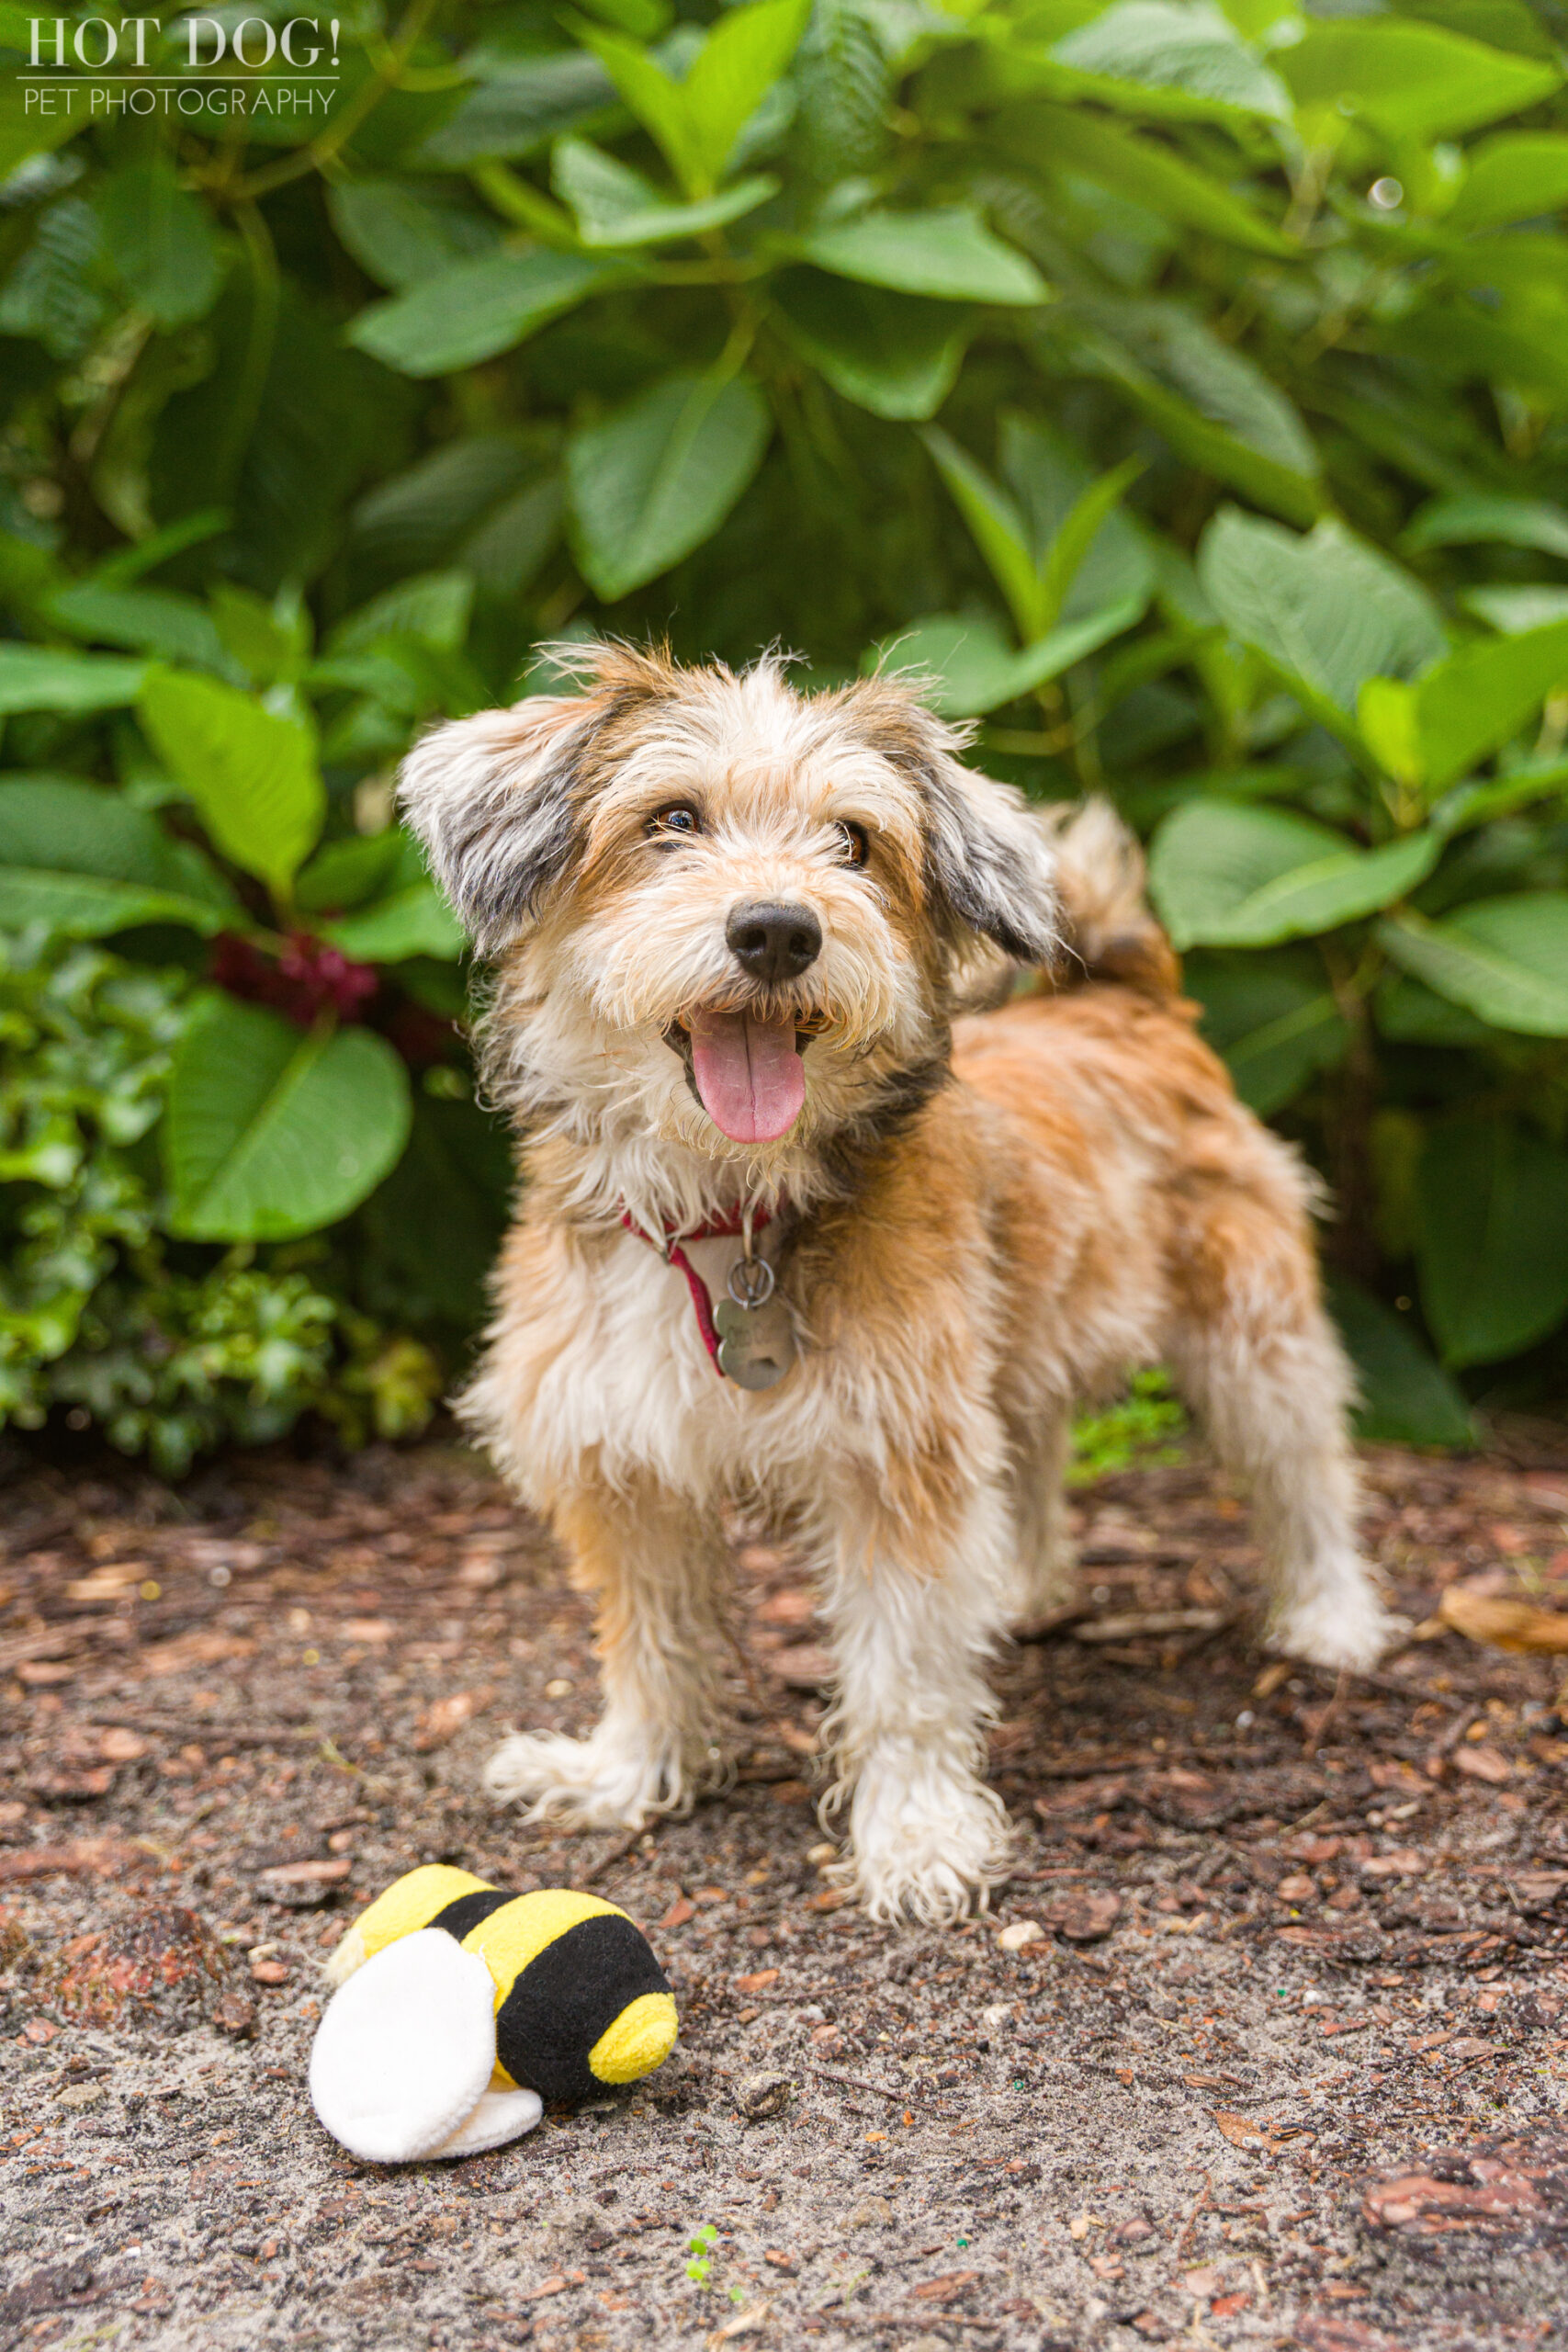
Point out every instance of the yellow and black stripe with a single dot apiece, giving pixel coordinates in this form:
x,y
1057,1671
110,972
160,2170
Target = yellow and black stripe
x,y
581,2001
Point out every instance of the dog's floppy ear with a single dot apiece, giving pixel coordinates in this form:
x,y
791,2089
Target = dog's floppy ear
x,y
496,801
988,861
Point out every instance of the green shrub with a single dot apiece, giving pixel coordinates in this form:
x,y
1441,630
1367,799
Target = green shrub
x,y
1182,386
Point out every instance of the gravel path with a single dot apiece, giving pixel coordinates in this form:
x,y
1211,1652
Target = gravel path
x,y
1265,2042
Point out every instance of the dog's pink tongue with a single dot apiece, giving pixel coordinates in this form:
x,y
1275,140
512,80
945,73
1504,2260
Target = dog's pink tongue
x,y
749,1074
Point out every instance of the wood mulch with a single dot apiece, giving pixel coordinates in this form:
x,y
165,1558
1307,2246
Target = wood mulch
x,y
1265,2042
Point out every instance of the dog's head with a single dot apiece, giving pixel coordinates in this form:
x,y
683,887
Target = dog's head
x,y
725,912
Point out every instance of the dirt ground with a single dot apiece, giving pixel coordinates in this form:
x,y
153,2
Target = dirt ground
x,y
1264,2044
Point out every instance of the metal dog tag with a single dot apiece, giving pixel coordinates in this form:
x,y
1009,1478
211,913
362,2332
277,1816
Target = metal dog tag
x,y
756,1343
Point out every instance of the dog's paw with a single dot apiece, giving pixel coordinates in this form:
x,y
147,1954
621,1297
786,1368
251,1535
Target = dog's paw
x,y
1344,1630
929,1853
584,1783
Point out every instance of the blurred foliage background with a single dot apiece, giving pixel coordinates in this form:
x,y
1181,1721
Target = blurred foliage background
x,y
1183,385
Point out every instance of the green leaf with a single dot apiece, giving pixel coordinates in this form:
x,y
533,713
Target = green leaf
x,y
25,132
1000,532
36,677
1048,478
1325,611
433,606
1175,44
1142,169
415,921
273,1130
1273,1019
655,480
1517,175
1492,1206
1413,81
160,241
889,352
1505,959
1406,1399
976,670
1227,875
253,777
1511,611
86,863
1213,405
478,308
696,122
616,207
150,620
401,234
948,252
1471,517
1477,700
1080,528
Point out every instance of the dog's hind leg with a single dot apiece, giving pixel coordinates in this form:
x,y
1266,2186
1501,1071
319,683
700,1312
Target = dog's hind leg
x,y
1046,1571
1257,1357
652,1561
913,1625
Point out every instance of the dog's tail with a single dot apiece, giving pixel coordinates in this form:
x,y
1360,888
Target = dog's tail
x,y
1109,931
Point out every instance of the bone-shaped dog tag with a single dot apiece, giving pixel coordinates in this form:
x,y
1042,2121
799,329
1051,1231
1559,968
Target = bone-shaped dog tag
x,y
756,1343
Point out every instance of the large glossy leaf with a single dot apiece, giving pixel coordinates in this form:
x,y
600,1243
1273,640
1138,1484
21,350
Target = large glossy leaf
x,y
274,1131
1518,176
403,232
412,921
1505,959
1417,81
1072,139
697,121
1227,875
161,621
655,480
252,774
1324,612
973,667
478,308
948,252
1405,1397
1492,1201
1477,700
159,240
1472,515
1183,45
889,352
85,861
1273,1017
616,207
1214,409
36,677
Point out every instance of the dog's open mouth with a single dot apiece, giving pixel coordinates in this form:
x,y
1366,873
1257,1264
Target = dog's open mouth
x,y
747,1069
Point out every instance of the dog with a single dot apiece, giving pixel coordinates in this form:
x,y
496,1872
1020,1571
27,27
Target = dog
x,y
733,929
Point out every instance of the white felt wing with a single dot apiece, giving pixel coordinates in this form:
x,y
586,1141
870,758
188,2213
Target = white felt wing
x,y
499,2117
406,2049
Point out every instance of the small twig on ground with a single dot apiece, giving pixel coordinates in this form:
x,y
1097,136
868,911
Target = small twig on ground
x,y
1191,2221
861,2083
611,1856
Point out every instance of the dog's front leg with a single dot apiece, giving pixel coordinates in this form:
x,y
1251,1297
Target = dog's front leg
x,y
652,1560
916,1610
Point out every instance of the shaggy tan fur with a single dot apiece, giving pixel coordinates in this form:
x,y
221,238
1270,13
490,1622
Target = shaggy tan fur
x,y
974,1225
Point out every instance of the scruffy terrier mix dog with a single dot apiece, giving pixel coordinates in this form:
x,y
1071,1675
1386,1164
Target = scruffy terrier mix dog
x,y
732,925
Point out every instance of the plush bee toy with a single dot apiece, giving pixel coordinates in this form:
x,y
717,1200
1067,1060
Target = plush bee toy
x,y
460,2009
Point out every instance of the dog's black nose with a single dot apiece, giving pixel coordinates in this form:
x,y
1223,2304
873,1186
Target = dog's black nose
x,y
774,938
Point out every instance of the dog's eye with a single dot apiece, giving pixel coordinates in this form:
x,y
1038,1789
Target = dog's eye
x,y
854,847
679,817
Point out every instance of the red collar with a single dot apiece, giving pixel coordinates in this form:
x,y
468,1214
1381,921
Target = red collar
x,y
673,1254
